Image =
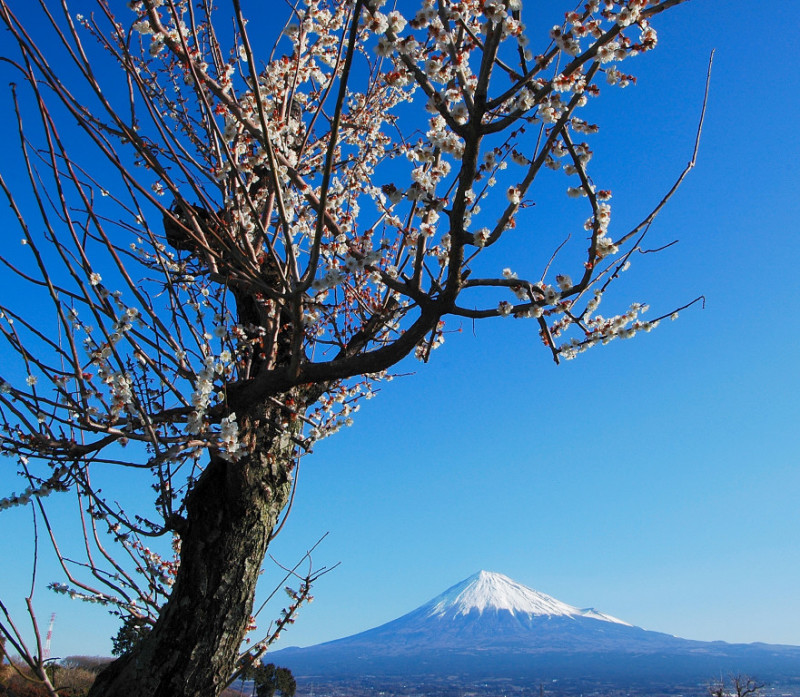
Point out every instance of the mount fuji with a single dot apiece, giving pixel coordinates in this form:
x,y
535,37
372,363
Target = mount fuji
x,y
491,627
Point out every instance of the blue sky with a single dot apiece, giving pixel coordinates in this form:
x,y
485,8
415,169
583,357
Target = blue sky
x,y
655,479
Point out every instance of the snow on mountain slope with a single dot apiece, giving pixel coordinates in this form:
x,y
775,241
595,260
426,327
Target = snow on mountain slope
x,y
492,591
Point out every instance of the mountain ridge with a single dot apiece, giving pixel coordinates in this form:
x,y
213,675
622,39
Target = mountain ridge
x,y
489,626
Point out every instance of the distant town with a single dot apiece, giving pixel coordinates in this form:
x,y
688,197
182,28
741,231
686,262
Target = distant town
x,y
433,686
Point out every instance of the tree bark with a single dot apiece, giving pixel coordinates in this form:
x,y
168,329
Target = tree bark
x,y
230,514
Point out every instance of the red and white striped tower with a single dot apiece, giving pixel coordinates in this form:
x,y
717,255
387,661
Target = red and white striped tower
x,y
49,636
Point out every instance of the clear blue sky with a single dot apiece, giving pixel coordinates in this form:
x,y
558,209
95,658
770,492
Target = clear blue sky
x,y
655,479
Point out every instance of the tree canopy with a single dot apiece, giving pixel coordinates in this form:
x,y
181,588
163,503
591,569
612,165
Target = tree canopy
x,y
231,233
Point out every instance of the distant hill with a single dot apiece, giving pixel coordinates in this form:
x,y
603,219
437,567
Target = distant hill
x,y
490,627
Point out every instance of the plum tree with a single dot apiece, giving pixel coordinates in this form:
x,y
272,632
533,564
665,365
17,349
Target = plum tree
x,y
231,232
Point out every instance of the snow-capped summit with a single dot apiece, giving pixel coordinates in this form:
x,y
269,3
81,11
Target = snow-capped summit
x,y
489,591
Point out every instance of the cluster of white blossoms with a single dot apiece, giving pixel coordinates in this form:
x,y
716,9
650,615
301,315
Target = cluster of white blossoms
x,y
207,391
604,246
602,330
42,490
97,598
202,394
229,437
614,76
123,400
339,270
505,308
103,357
158,568
335,409
423,349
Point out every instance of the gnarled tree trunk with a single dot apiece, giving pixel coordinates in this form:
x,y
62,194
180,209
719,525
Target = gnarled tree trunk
x,y
230,514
